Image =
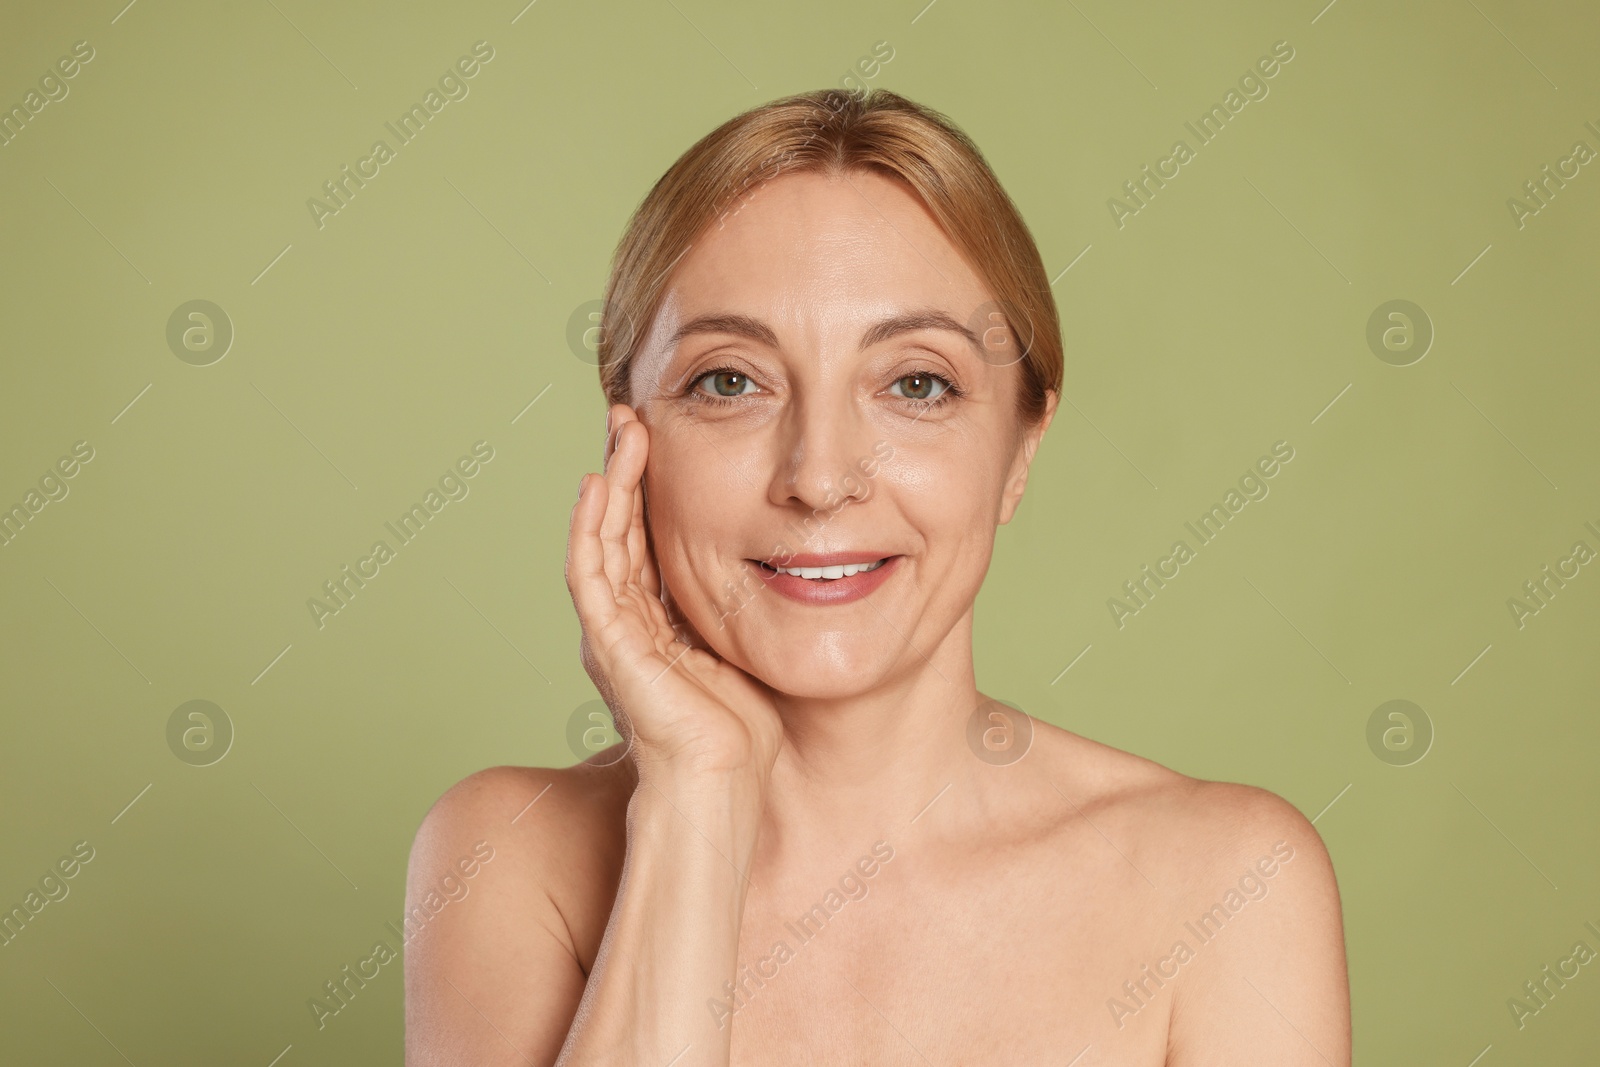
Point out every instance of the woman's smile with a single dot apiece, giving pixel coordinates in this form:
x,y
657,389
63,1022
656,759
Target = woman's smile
x,y
834,578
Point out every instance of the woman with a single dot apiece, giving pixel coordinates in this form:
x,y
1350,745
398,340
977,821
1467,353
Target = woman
x,y
831,354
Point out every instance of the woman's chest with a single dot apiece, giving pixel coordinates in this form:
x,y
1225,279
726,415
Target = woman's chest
x,y
1005,966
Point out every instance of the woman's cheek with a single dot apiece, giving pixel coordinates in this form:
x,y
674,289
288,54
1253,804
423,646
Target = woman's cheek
x,y
951,469
951,494
689,532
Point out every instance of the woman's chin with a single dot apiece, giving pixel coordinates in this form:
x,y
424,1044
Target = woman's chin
x,y
813,685
820,673
809,662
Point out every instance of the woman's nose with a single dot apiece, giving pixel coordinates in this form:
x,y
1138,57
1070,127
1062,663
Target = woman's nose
x,y
823,448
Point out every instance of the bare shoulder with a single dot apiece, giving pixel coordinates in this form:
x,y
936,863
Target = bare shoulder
x,y
558,829
1195,831
1251,925
538,801
510,883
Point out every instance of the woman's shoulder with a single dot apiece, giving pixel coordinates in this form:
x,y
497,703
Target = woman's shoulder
x,y
509,886
556,829
1238,880
1195,828
584,802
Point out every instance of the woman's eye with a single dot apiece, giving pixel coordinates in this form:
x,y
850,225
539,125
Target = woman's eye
x,y
726,383
920,387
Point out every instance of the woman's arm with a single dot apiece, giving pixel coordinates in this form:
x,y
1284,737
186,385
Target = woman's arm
x,y
703,740
492,969
1269,986
494,977
673,937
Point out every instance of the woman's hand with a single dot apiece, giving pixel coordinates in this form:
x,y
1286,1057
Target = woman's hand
x,y
692,717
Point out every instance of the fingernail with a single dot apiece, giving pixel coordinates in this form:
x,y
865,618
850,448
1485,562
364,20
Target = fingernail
x,y
581,480
608,422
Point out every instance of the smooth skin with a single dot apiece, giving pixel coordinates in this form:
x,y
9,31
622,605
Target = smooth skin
x,y
774,745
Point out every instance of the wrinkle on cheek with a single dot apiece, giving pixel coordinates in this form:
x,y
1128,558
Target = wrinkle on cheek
x,y
688,470
688,505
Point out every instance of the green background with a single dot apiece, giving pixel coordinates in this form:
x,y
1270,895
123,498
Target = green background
x,y
1228,314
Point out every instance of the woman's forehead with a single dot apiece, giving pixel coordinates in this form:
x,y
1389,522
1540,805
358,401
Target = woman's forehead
x,y
823,235
818,260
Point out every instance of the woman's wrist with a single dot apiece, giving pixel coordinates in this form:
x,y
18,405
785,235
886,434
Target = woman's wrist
x,y
723,808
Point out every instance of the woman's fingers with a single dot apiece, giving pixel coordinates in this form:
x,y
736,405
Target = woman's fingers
x,y
641,558
611,571
639,547
620,633
623,474
593,595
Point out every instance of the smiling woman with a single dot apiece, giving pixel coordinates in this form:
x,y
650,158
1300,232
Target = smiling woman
x,y
881,300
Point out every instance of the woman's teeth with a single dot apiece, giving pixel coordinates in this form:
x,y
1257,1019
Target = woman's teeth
x,y
844,570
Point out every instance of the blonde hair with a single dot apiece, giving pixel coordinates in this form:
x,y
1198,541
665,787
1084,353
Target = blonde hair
x,y
833,131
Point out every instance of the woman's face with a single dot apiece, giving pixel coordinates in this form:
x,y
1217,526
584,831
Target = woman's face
x,y
814,400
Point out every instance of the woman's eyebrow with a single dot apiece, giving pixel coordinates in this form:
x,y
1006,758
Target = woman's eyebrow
x,y
883,330
739,325
926,319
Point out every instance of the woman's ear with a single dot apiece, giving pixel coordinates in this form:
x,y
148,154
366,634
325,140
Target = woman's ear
x,y
1027,448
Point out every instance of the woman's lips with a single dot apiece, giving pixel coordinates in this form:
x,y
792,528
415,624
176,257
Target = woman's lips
x,y
826,590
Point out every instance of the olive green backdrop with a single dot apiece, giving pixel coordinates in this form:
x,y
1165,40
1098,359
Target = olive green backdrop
x,y
1441,460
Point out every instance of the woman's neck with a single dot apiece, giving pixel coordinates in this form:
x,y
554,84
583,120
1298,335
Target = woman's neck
x,y
854,766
